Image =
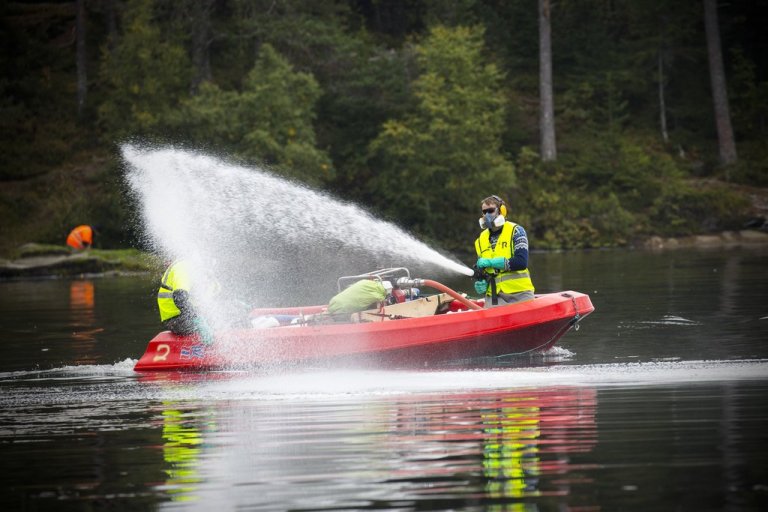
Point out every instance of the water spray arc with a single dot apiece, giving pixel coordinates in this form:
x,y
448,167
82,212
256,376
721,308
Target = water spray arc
x,y
245,220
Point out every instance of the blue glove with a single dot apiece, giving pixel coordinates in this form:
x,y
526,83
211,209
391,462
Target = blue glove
x,y
497,263
481,287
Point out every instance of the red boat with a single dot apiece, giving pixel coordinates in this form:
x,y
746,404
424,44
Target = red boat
x,y
428,331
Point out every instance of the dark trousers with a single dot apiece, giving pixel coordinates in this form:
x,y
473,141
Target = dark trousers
x,y
183,324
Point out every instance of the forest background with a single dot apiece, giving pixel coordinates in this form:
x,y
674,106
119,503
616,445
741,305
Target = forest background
x,y
415,110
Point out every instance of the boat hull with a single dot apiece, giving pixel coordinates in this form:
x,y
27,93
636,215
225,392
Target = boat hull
x,y
512,330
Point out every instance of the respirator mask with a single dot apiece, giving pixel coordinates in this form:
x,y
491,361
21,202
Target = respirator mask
x,y
491,220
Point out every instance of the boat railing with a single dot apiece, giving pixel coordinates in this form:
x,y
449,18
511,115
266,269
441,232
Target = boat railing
x,y
384,274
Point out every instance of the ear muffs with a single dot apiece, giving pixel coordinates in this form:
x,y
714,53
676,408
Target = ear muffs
x,y
502,206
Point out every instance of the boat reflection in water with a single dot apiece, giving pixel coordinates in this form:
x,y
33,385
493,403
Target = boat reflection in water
x,y
498,448
534,435
513,444
182,445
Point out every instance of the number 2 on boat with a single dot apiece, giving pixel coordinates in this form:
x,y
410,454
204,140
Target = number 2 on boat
x,y
162,352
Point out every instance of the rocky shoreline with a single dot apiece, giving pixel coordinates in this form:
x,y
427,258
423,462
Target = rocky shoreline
x,y
747,238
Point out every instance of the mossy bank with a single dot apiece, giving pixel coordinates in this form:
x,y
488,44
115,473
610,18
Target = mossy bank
x,y
38,260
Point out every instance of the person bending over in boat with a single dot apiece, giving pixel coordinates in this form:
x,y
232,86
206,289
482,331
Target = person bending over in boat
x,y
502,252
177,311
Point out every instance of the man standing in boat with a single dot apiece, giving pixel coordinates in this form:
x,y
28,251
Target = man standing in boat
x,y
502,251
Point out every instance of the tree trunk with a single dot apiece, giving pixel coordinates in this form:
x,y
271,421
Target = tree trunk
x,y
80,57
546,108
662,102
201,41
110,23
717,79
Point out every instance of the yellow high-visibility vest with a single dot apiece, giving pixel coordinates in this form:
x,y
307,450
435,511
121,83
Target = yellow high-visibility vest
x,y
176,277
507,281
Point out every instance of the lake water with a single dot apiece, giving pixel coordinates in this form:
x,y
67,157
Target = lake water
x,y
658,402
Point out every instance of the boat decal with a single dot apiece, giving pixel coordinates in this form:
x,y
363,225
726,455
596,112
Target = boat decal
x,y
162,353
196,351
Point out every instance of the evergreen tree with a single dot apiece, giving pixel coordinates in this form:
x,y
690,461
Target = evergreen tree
x,y
269,122
439,161
145,75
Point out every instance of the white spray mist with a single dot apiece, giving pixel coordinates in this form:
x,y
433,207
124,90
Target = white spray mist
x,y
265,238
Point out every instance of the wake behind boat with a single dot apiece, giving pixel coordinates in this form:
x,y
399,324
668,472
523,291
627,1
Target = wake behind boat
x,y
404,331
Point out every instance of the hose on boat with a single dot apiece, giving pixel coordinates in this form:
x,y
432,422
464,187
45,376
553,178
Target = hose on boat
x,y
404,282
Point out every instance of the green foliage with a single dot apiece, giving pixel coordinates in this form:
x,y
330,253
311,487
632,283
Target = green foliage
x,y
560,213
610,163
449,147
364,99
611,191
37,127
748,96
32,250
145,75
269,121
47,207
595,106
752,170
369,86
131,260
695,207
